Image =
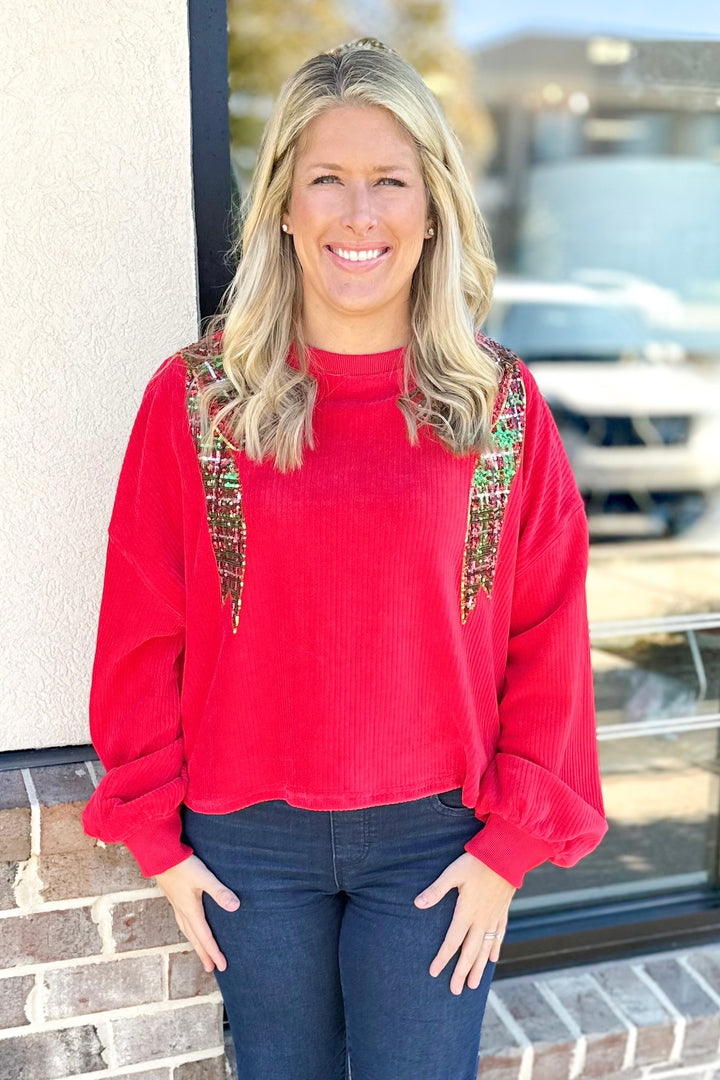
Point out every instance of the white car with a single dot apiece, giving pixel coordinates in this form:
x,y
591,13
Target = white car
x,y
640,425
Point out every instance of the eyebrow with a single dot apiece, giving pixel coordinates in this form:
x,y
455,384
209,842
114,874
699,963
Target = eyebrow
x,y
377,168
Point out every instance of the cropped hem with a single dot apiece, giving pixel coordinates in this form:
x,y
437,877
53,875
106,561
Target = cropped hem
x,y
305,800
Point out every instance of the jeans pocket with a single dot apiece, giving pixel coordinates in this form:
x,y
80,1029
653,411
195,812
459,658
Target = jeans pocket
x,y
450,802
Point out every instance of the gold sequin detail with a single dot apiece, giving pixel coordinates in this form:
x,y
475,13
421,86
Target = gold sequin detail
x,y
491,481
223,490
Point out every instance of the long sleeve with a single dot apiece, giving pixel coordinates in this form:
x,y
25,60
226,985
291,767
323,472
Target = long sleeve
x,y
540,795
135,721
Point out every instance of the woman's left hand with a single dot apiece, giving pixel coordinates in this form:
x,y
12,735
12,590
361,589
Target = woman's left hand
x,y
481,908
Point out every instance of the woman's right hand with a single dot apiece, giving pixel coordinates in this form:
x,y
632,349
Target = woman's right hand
x,y
184,885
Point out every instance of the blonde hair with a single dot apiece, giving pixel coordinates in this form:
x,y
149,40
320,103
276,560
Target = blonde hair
x,y
263,403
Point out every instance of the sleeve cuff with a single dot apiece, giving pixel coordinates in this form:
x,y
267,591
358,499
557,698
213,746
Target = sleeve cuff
x,y
157,846
508,850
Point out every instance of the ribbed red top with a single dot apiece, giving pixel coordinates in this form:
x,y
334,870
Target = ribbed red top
x,y
349,677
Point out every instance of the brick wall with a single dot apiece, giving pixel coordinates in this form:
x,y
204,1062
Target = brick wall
x,y
96,980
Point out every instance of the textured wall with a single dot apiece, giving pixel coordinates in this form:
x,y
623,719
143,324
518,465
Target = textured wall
x,y
97,287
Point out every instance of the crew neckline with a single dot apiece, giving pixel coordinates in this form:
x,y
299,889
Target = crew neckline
x,y
377,363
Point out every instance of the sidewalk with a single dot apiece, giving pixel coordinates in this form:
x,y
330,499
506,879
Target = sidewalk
x,y
655,1017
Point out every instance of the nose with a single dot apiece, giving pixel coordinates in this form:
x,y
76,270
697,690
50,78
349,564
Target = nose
x,y
359,213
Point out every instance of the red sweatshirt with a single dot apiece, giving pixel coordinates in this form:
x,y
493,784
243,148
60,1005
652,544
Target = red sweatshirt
x,y
384,623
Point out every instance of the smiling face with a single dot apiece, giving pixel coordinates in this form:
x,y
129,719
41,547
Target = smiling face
x,y
358,218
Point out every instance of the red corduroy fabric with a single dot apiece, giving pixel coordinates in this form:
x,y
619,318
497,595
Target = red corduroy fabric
x,y
351,680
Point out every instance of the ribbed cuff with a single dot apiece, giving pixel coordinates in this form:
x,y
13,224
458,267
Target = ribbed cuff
x,y
157,846
508,850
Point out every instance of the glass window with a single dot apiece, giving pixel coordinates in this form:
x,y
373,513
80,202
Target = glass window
x,y
657,693
595,156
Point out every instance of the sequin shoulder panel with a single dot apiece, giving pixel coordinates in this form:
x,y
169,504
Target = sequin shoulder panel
x,y
221,481
491,480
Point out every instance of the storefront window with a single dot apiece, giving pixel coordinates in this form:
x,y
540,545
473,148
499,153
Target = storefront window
x,y
657,694
595,155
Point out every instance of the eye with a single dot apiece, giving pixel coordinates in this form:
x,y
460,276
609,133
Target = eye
x,y
321,179
392,180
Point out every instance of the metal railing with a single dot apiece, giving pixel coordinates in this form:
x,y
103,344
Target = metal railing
x,y
685,624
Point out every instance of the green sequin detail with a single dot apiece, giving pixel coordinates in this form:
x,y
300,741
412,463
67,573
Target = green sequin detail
x,y
223,489
490,487
489,491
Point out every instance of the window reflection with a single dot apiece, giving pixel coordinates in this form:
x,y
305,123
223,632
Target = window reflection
x,y
657,694
596,164
605,206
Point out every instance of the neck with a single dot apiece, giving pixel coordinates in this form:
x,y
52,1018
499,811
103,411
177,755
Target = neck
x,y
358,335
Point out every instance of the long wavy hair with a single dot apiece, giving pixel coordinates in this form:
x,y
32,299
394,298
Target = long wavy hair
x,y
265,404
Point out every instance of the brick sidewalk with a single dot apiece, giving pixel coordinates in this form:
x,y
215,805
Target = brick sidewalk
x,y
652,1018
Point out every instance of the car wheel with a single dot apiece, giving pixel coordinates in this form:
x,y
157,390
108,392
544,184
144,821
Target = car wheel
x,y
684,511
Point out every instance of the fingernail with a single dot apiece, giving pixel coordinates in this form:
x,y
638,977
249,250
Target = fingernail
x,y
232,905
421,900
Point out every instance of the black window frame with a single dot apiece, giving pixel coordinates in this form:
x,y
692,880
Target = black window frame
x,y
211,164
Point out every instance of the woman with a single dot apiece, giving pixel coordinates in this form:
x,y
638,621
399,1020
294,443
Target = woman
x,y
342,685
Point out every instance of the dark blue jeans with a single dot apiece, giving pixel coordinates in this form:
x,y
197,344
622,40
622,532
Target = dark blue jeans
x,y
328,957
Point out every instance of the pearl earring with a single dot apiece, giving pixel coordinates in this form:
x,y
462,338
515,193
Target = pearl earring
x,y
431,231
284,227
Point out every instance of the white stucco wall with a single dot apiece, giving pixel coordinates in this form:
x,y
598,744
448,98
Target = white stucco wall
x,y
98,275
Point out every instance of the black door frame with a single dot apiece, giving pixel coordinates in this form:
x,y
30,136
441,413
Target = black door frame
x,y
212,170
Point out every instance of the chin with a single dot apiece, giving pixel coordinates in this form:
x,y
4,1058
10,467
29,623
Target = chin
x,y
359,301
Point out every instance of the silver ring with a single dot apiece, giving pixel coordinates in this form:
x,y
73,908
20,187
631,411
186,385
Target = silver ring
x,y
491,935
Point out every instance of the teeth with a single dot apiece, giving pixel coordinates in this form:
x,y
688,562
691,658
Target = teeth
x,y
357,256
